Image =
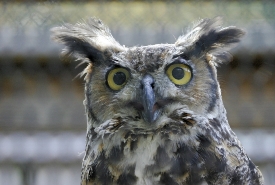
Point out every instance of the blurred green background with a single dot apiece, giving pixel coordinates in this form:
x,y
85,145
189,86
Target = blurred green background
x,y
42,119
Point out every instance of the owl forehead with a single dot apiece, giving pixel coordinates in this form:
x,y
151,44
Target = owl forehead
x,y
147,58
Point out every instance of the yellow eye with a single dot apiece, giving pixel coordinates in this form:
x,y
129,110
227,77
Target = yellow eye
x,y
179,74
117,78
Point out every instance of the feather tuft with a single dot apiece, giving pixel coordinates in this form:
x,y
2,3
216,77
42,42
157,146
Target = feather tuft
x,y
86,40
208,37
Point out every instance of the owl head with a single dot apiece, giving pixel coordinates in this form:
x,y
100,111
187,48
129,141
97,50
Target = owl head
x,y
147,85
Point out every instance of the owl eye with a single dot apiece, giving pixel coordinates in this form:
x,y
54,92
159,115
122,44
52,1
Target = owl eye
x,y
179,74
117,78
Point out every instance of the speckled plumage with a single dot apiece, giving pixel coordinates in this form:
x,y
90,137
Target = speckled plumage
x,y
189,141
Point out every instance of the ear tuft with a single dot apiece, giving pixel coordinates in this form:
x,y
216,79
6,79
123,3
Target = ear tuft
x,y
86,40
208,37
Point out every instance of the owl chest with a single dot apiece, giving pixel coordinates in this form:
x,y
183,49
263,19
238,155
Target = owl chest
x,y
148,160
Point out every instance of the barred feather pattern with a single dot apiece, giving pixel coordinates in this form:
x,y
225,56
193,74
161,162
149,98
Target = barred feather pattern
x,y
186,149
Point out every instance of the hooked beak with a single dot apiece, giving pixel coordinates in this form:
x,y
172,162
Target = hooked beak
x,y
150,111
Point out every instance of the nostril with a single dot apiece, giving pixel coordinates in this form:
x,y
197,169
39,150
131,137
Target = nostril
x,y
147,81
153,85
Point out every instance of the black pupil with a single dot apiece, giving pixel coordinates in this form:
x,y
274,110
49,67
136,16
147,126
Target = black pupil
x,y
119,78
178,73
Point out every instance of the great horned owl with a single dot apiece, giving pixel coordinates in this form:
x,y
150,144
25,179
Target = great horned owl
x,y
155,113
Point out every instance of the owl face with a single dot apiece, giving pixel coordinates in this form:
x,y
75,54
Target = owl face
x,y
147,84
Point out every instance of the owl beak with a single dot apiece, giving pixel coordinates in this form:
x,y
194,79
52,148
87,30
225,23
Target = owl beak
x,y
150,112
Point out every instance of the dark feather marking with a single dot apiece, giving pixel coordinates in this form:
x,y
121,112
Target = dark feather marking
x,y
204,141
133,144
213,89
116,154
98,171
213,164
91,135
213,39
236,177
185,117
215,169
229,35
166,179
128,134
127,177
179,166
92,171
161,159
196,171
185,159
91,114
255,175
188,163
132,139
204,43
251,166
77,47
215,123
195,177
88,106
